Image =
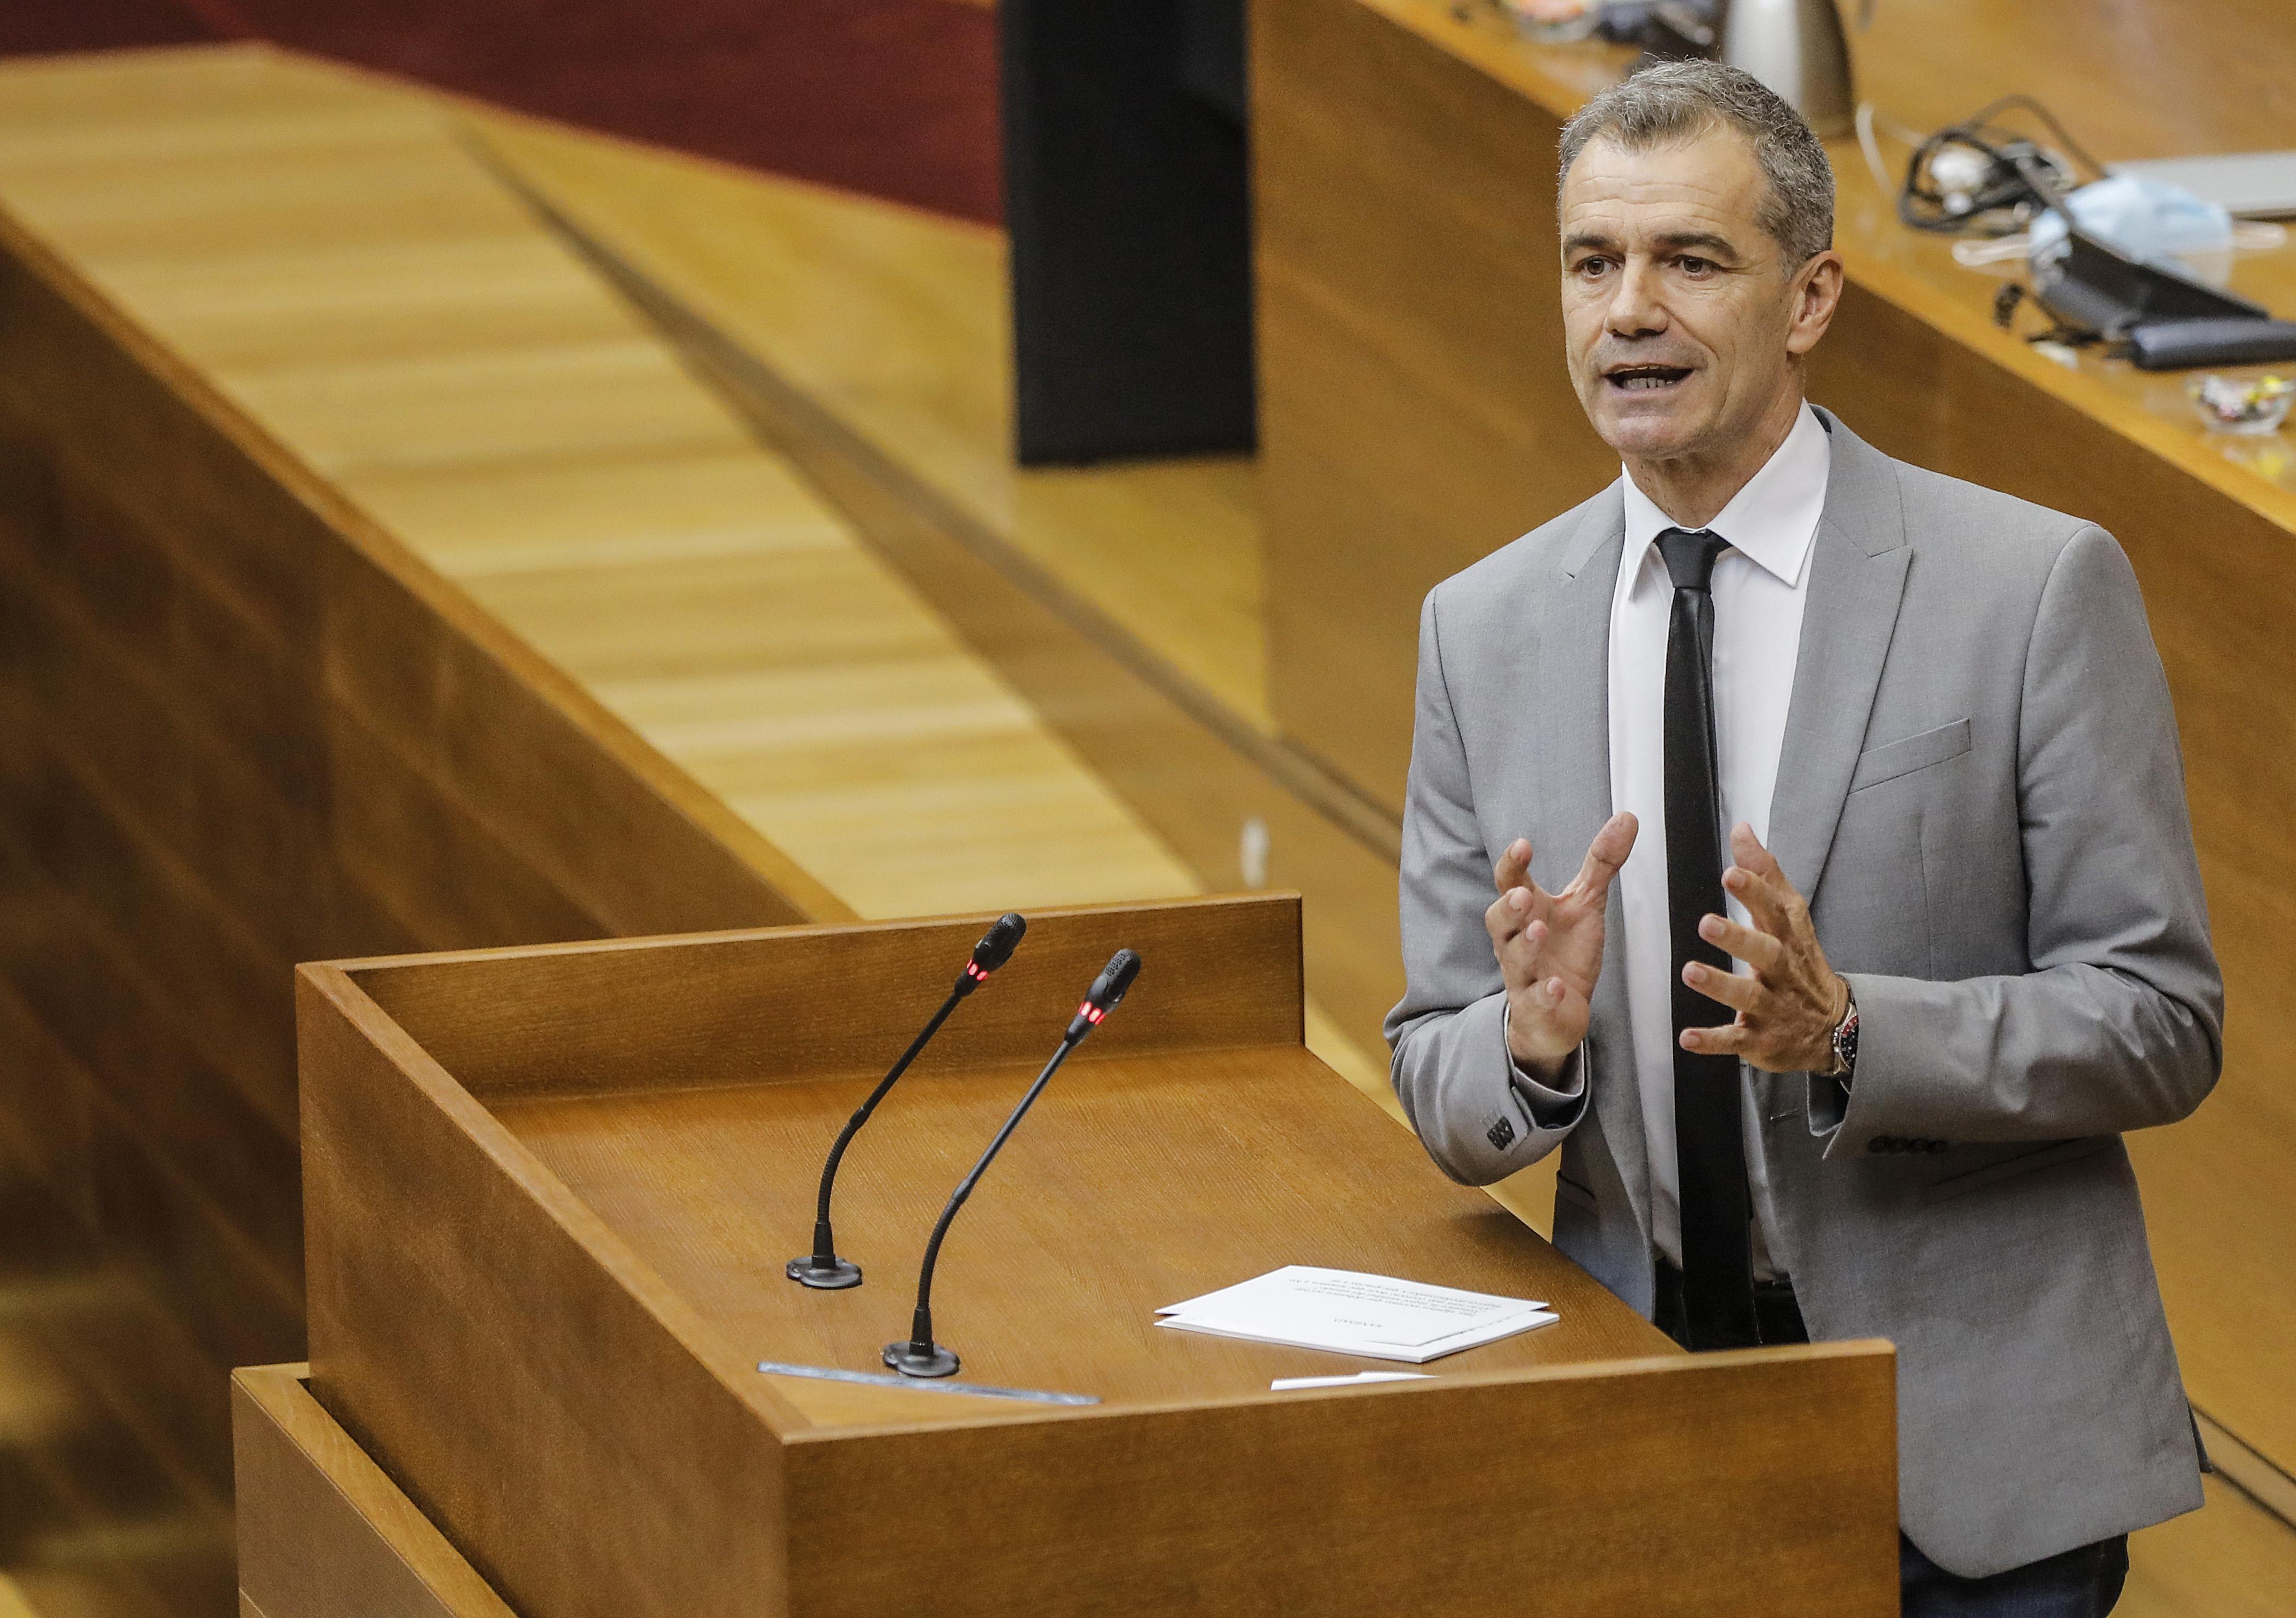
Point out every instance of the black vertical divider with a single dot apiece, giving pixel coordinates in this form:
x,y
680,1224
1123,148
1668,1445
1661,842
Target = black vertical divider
x,y
1128,205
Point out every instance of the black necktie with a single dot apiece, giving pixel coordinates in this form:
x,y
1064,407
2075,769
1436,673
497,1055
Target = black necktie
x,y
1717,1267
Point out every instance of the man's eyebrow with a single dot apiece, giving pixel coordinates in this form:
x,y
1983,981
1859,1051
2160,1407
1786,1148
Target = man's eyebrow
x,y
1675,241
1720,247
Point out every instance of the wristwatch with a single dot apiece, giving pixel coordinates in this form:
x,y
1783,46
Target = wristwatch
x,y
1845,1042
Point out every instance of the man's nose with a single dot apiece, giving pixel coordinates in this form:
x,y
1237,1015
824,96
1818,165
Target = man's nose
x,y
1636,309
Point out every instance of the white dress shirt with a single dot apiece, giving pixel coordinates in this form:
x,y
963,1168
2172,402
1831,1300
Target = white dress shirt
x,y
1760,587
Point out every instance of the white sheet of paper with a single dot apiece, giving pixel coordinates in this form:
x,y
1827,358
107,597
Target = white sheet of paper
x,y
1368,1349
1348,1312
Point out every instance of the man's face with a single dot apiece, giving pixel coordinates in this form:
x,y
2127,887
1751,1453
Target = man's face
x,y
1678,308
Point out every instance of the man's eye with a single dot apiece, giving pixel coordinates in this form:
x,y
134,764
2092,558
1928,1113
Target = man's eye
x,y
1695,266
1592,267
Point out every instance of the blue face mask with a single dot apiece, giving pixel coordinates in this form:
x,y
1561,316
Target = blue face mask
x,y
2148,219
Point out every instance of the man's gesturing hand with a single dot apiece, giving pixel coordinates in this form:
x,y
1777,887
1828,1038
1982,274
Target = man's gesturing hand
x,y
1550,945
1788,1008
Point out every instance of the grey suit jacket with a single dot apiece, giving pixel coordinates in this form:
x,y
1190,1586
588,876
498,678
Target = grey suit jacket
x,y
1981,796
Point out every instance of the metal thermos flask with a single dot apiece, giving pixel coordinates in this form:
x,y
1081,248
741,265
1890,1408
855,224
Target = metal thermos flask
x,y
1796,48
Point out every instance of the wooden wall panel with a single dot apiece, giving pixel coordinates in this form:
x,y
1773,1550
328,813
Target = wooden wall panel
x,y
177,1105
736,1014
45,1101
157,1285
204,962
1192,768
1768,1511
121,694
448,1361
324,1533
1415,412
239,727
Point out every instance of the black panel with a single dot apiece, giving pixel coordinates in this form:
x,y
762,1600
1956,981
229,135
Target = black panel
x,y
1127,198
1211,55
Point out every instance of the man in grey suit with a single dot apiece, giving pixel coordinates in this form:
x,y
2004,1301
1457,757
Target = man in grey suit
x,y
1870,1078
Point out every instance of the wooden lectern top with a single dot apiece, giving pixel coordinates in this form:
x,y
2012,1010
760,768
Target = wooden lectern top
x,y
550,1193
1111,1200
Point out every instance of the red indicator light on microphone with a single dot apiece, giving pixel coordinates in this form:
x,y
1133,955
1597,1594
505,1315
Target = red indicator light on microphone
x,y
972,970
1091,1014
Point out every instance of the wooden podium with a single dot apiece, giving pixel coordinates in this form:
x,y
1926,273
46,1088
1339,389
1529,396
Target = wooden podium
x,y
550,1193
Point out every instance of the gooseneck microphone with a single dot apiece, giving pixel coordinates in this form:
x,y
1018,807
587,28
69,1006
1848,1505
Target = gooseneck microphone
x,y
921,1356
822,1269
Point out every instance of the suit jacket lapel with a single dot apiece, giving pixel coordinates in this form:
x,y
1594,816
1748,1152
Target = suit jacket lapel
x,y
1857,575
1573,694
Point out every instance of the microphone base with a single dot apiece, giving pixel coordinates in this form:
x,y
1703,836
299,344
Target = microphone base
x,y
904,1357
835,1276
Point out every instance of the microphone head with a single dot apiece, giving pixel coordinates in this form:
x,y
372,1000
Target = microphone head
x,y
1106,991
1114,979
996,945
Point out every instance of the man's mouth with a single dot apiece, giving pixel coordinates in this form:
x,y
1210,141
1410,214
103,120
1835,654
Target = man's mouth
x,y
1645,379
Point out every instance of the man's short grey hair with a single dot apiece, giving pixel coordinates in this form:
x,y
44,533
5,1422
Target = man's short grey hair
x,y
1676,102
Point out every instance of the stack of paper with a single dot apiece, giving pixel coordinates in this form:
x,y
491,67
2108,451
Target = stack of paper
x,y
1351,1313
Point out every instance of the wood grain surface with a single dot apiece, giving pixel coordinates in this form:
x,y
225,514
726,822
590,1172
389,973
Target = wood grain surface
x,y
265,306
477,1331
927,374
583,1275
323,1533
242,724
866,341
868,344
114,1480
1701,1485
807,1002
1417,415
243,727
1134,1183
233,749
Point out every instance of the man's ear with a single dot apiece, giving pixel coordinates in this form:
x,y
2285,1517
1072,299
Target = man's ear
x,y
1817,293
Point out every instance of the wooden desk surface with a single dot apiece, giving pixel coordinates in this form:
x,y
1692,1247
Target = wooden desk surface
x,y
686,1091
1093,1218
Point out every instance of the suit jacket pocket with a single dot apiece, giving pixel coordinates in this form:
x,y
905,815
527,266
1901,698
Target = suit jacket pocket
x,y
1892,759
2009,1168
1571,1191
